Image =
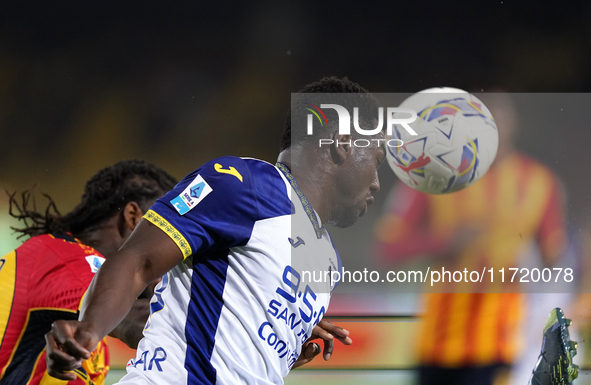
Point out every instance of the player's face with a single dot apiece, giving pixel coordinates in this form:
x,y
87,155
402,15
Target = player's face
x,y
357,183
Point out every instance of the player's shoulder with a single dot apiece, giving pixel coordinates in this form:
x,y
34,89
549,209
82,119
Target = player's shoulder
x,y
238,185
45,245
39,241
260,180
244,170
56,269
268,180
32,250
61,252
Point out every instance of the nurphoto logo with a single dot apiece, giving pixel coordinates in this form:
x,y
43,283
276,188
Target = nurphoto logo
x,y
345,123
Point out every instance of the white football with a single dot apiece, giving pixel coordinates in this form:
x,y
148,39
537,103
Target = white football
x,y
455,145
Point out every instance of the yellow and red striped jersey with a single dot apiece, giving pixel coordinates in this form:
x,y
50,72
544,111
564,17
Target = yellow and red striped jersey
x,y
43,281
517,202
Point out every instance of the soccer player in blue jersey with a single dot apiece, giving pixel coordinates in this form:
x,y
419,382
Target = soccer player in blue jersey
x,y
232,307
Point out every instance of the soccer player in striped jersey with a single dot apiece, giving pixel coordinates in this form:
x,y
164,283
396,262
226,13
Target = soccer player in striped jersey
x,y
44,279
473,338
238,234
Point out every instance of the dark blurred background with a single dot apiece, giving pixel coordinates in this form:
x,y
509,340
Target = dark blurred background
x,y
85,84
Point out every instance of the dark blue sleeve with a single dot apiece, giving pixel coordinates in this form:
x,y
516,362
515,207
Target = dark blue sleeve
x,y
212,208
216,206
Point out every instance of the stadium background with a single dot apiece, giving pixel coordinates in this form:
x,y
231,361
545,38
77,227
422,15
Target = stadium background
x,y
83,85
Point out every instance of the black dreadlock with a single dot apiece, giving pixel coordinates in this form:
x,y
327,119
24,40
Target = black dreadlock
x,y
104,194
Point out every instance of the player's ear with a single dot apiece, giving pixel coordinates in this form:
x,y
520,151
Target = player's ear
x,y
340,149
132,214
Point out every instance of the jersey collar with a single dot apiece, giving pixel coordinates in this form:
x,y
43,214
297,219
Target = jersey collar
x,y
307,206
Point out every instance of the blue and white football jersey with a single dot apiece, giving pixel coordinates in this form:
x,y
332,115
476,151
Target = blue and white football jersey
x,y
239,307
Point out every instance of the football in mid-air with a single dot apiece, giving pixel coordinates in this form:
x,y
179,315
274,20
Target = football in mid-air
x,y
455,143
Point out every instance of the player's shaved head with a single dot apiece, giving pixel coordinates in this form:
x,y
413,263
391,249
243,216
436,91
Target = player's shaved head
x,y
345,92
340,177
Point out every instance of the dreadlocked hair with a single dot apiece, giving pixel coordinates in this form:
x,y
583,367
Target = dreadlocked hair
x,y
105,194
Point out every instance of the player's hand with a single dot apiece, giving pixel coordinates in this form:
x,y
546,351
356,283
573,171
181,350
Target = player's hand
x,y
67,347
327,331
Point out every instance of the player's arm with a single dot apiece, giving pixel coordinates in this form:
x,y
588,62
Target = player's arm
x,y
147,255
131,329
213,208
